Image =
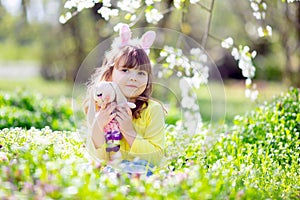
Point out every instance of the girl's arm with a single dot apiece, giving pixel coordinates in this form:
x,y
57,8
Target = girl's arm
x,y
96,138
124,118
149,143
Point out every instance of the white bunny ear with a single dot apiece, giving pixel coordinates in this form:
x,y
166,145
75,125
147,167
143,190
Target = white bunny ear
x,y
147,39
125,34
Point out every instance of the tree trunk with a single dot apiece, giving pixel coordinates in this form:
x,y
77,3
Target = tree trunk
x,y
24,10
74,28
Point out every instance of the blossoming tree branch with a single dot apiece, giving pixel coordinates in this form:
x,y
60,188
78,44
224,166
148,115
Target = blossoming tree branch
x,y
153,11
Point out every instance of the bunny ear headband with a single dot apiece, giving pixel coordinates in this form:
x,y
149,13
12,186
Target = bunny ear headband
x,y
124,39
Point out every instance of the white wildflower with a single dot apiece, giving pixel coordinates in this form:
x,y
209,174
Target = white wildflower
x,y
251,94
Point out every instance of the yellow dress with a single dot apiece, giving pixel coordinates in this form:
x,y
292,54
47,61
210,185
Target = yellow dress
x,y
149,142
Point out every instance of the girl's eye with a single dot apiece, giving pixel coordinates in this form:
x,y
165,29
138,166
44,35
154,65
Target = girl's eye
x,y
142,73
124,70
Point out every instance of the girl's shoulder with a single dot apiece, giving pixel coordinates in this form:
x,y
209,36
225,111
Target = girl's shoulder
x,y
155,105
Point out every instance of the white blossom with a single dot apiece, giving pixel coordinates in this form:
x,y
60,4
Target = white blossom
x,y
260,32
195,51
264,5
132,18
177,4
235,53
194,1
254,6
227,43
187,102
149,2
153,16
70,4
253,54
184,85
248,82
129,5
257,15
85,4
248,70
106,12
64,18
267,31
106,3
163,54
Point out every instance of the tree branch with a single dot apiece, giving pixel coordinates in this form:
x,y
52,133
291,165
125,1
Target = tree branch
x,y
207,28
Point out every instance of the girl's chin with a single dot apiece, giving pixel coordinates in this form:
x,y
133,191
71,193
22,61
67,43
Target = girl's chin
x,y
130,93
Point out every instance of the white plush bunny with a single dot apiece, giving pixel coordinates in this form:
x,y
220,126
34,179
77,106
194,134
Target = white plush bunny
x,y
101,91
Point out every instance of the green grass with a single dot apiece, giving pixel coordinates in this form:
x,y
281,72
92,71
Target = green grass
x,y
221,103
257,158
39,85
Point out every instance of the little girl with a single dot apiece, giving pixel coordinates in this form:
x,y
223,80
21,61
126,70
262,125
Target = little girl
x,y
142,128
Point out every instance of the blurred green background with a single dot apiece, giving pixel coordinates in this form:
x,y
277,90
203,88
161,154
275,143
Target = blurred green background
x,y
39,54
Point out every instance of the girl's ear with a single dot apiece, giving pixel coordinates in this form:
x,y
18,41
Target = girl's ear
x,y
125,34
147,39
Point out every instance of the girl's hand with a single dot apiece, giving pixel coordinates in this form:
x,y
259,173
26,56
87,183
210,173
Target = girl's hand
x,y
105,114
124,118
102,118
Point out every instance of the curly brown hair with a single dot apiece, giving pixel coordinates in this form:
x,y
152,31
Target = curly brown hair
x,y
127,57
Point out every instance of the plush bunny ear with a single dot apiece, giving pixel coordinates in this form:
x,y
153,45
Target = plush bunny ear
x,y
120,98
125,34
147,39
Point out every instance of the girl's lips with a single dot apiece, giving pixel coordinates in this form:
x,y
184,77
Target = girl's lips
x,y
131,86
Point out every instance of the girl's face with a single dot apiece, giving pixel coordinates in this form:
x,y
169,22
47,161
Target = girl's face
x,y
132,82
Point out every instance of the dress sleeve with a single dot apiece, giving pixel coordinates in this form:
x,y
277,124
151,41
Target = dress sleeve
x,y
150,145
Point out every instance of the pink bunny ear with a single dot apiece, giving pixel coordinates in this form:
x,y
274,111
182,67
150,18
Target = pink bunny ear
x,y
125,34
147,39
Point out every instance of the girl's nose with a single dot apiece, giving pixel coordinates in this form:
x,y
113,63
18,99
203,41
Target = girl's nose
x,y
133,77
